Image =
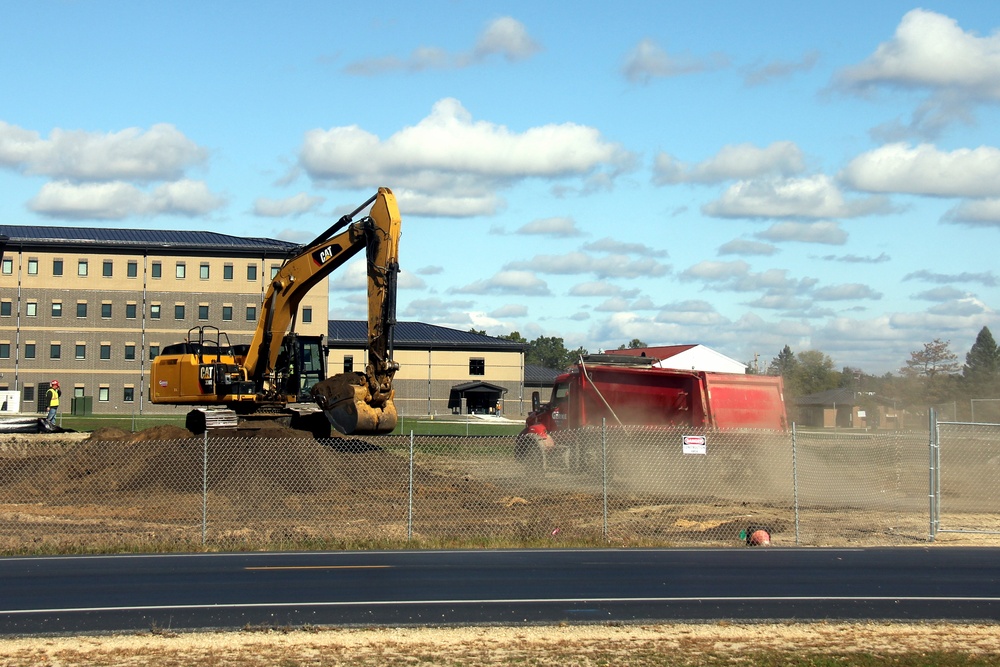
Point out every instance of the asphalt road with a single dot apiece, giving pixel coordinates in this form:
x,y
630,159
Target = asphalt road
x,y
201,591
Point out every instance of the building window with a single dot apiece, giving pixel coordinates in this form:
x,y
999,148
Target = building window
x,y
202,312
227,272
307,315
154,351
82,268
81,351
29,350
8,266
4,350
178,311
81,308
103,394
132,270
55,351
6,308
56,309
274,271
203,271
130,311
251,272
181,271
251,313
130,352
31,309
108,268
29,393
154,311
227,313
32,267
348,363
106,311
477,366
57,267
129,395
105,351
156,270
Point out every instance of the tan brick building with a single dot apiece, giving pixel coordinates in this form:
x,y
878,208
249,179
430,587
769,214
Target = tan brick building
x,y
92,307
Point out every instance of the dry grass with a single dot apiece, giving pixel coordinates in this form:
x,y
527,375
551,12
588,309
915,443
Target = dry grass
x,y
715,644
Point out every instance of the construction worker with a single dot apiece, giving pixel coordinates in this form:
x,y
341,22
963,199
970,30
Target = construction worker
x,y
53,394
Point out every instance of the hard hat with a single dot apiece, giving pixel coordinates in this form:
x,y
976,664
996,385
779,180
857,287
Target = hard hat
x,y
55,383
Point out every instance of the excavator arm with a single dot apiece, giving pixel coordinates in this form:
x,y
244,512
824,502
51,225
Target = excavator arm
x,y
378,233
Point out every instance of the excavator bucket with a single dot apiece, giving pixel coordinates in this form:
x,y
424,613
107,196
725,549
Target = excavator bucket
x,y
348,405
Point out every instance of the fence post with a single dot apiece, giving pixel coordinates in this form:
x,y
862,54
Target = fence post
x,y
204,487
604,475
795,482
933,472
409,511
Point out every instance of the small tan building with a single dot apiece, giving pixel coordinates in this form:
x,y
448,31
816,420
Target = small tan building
x,y
441,370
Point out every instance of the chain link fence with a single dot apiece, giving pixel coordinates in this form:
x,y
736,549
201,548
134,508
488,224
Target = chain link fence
x,y
622,486
964,473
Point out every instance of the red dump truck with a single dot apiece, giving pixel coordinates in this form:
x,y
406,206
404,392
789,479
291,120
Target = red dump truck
x,y
633,391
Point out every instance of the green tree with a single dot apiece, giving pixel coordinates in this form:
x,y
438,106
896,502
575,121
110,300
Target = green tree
x,y
814,373
931,374
783,364
548,351
515,336
633,344
935,359
981,373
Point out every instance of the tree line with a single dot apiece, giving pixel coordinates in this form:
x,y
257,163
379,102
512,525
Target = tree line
x,y
933,375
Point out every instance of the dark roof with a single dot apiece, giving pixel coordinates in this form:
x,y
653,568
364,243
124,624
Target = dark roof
x,y
101,237
417,335
540,375
842,396
479,387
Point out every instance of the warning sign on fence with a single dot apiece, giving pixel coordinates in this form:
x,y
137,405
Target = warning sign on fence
x,y
694,444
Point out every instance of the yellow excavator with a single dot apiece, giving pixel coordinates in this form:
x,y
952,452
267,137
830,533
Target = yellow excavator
x,y
282,374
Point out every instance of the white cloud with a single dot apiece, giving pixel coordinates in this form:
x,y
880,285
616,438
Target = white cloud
x,y
559,227
648,60
161,153
505,37
810,197
925,170
779,69
829,233
615,246
508,38
610,266
523,283
118,200
449,164
976,213
848,291
746,247
597,288
510,310
293,206
737,161
736,276
930,50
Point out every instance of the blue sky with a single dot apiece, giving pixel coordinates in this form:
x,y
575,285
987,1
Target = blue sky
x,y
819,175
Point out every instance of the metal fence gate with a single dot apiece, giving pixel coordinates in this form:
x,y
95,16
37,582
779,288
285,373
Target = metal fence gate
x,y
964,475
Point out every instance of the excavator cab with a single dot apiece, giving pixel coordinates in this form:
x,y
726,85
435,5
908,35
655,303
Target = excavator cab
x,y
301,366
